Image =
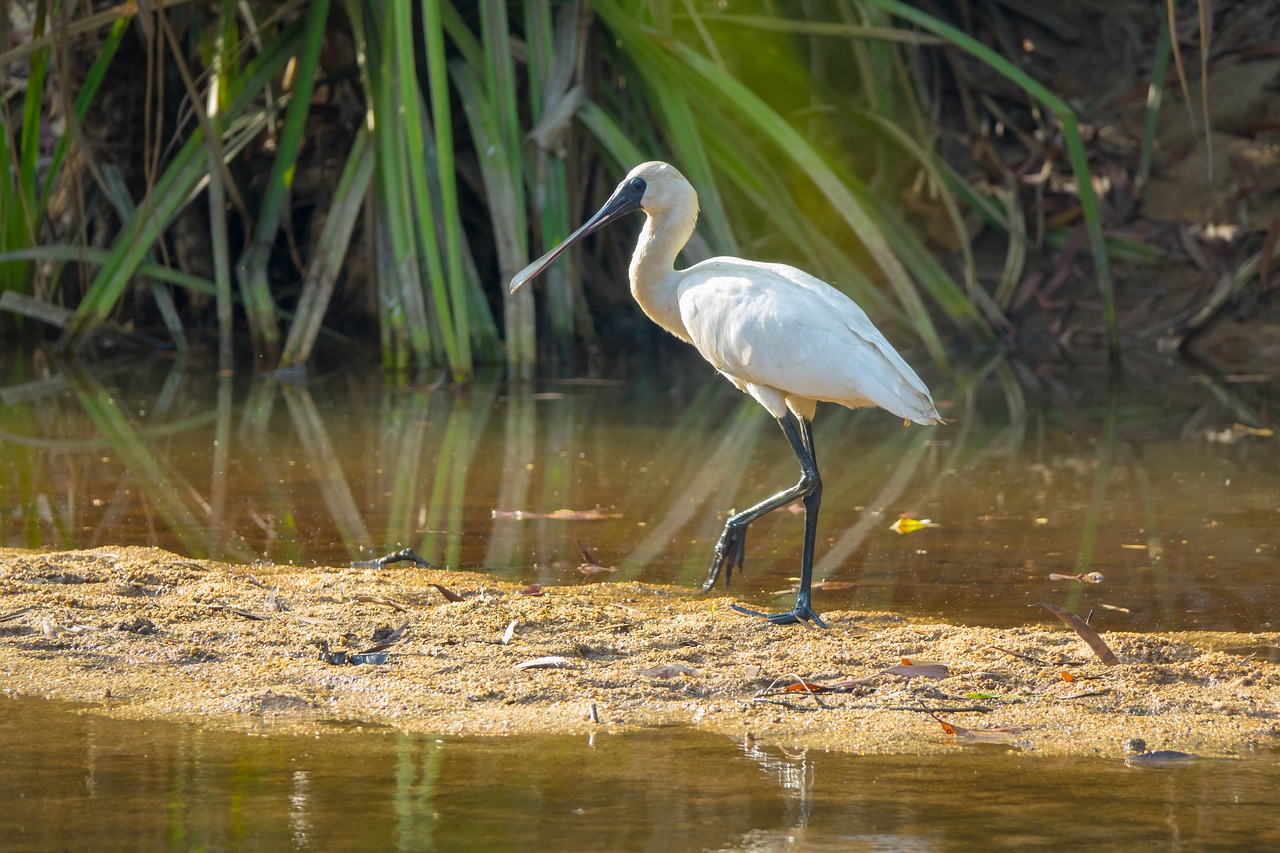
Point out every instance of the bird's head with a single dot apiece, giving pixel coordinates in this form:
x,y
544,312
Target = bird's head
x,y
665,189
654,187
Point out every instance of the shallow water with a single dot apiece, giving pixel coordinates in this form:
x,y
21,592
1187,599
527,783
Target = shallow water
x,y
1160,487
1167,489
79,781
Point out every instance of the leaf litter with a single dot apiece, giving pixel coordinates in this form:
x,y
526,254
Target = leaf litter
x,y
680,658
1090,636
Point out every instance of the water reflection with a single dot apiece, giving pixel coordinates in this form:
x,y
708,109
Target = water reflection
x,y
1167,488
76,781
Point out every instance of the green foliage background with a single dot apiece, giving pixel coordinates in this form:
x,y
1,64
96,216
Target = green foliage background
x,y
477,134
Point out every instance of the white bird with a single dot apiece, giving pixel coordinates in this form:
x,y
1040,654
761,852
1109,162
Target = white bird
x,y
777,333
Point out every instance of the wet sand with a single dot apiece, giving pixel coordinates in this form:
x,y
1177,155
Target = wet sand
x,y
145,634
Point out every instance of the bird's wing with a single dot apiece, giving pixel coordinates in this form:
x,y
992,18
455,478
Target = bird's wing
x,y
778,327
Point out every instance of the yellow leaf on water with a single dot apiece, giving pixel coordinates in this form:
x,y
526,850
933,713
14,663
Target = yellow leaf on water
x,y
910,525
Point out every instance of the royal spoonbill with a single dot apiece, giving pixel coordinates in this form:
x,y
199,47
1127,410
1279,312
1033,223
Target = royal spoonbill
x,y
777,333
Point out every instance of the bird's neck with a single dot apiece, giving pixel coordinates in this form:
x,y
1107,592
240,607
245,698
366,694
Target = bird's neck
x,y
654,281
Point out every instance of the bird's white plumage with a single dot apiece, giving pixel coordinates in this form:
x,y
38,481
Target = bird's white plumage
x,y
784,337
780,334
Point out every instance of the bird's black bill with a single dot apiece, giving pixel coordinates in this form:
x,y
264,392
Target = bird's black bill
x,y
625,199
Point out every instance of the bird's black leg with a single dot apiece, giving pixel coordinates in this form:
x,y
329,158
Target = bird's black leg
x,y
730,547
804,608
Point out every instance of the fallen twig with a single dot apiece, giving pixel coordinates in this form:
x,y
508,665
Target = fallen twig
x,y
1090,636
15,614
244,614
385,602
782,703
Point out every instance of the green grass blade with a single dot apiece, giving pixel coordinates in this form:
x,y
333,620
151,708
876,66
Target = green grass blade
x,y
113,185
18,198
404,328
1155,97
221,80
442,119
505,208
171,191
13,274
88,254
322,272
554,50
323,459
499,93
33,106
388,224
461,37
413,130
260,308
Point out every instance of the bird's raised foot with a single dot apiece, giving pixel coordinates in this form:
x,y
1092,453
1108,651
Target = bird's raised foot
x,y
801,613
731,551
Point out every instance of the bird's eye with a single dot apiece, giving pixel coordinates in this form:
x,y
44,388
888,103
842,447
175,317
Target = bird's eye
x,y
638,185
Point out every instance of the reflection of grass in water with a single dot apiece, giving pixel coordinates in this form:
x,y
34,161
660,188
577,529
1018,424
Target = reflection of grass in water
x,y
218,474
327,469
713,471
895,465
464,424
163,489
27,489
402,437
557,462
1097,497
1155,539
419,761
519,439
283,543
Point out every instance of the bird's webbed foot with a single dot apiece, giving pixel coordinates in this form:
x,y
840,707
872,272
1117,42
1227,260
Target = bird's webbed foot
x,y
731,551
801,613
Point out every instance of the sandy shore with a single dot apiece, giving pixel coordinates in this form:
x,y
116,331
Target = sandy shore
x,y
141,633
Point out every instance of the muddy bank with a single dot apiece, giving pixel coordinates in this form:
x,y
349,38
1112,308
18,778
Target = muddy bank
x,y
142,633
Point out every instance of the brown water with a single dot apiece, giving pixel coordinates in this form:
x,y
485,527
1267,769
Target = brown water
x,y
82,782
1147,484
